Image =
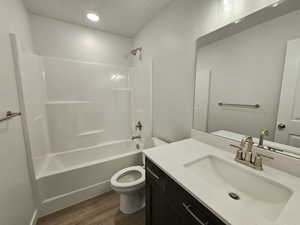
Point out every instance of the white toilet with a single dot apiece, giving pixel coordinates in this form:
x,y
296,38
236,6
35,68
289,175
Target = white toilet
x,y
130,183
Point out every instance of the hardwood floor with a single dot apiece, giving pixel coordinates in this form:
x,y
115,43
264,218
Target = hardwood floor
x,y
103,210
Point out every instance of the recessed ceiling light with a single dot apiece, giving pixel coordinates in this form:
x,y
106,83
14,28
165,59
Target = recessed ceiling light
x,y
93,17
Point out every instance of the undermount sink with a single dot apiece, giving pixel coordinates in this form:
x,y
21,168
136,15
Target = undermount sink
x,y
258,195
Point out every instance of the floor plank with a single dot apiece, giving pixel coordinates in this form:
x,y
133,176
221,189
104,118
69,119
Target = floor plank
x,y
102,210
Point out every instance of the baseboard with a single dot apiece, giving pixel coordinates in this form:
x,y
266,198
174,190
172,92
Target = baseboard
x,y
63,201
34,217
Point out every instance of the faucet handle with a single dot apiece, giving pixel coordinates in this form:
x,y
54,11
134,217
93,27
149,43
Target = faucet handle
x,y
259,161
243,142
239,153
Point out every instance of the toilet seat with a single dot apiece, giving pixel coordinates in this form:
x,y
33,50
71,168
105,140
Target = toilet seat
x,y
116,182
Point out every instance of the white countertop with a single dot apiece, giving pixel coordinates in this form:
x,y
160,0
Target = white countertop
x,y
172,158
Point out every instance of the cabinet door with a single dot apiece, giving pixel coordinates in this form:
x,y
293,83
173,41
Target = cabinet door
x,y
156,203
158,209
169,204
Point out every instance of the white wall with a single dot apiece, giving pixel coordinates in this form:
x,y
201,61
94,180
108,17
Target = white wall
x,y
17,201
64,40
170,40
247,68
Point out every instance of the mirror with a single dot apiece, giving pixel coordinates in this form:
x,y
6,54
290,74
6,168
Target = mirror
x,y
248,82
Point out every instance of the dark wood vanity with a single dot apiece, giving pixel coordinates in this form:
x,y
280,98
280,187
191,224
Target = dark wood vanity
x,y
167,203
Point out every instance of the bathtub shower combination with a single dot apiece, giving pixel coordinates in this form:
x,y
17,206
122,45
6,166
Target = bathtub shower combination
x,y
70,177
84,118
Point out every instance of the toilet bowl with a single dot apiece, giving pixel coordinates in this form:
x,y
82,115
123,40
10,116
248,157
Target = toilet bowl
x,y
130,183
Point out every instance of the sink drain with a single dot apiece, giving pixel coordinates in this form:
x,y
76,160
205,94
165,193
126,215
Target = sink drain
x,y
234,196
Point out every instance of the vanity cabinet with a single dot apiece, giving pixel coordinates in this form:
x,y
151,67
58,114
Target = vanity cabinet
x,y
167,203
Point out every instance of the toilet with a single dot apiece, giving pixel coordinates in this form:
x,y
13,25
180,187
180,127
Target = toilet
x,y
130,183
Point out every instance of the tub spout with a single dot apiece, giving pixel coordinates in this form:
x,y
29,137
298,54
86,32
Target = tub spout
x,y
136,137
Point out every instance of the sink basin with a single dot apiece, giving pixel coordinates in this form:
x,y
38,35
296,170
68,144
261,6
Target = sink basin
x,y
256,194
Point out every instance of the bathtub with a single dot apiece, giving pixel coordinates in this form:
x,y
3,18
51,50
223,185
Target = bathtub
x,y
71,177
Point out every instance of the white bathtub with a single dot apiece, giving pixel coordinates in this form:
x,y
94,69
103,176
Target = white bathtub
x,y
71,177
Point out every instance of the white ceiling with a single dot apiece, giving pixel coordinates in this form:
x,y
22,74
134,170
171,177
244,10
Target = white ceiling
x,y
125,17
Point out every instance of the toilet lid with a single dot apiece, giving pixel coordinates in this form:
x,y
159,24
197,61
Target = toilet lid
x,y
129,177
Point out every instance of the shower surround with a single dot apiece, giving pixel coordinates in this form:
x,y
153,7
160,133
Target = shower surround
x,y
87,103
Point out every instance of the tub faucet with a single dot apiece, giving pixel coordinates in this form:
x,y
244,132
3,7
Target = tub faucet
x,y
136,137
139,126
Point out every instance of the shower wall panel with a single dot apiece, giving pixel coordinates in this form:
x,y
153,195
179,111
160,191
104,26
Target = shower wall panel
x,y
87,103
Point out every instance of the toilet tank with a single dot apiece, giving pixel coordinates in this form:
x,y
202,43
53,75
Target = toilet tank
x,y
152,143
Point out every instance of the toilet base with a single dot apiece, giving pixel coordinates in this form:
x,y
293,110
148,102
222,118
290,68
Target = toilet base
x,y
132,202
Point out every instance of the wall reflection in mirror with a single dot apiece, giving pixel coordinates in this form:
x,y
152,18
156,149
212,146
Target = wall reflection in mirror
x,y
248,84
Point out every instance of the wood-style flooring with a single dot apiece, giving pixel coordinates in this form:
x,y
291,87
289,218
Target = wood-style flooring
x,y
102,210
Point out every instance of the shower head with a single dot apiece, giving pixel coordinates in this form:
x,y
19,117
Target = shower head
x,y
134,52
137,51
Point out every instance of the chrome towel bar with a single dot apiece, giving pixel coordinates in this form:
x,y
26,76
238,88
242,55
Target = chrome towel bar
x,y
256,106
10,115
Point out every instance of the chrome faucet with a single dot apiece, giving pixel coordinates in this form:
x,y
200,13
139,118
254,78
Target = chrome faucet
x,y
136,137
247,156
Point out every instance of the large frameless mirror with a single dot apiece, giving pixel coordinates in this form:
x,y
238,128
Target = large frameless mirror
x,y
248,80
